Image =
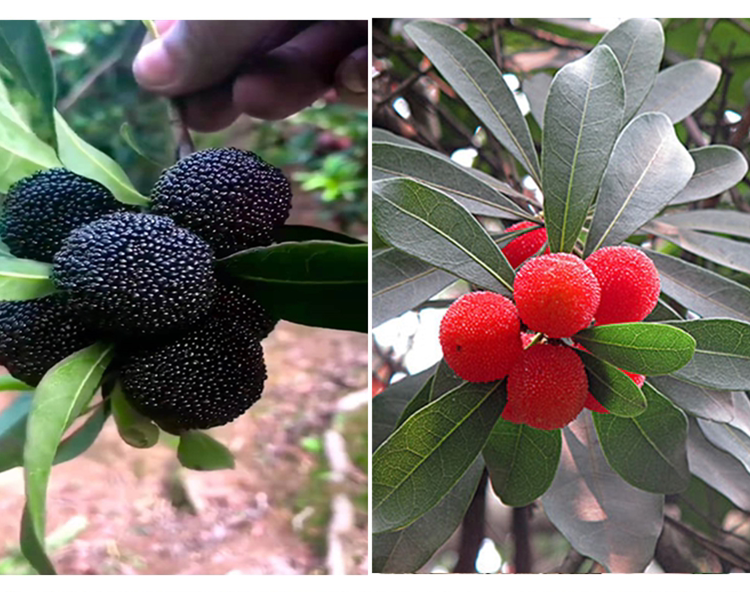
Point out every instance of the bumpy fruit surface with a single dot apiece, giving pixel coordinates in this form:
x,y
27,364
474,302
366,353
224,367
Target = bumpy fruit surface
x,y
44,208
556,294
136,274
481,336
204,378
629,282
547,387
231,198
36,334
527,245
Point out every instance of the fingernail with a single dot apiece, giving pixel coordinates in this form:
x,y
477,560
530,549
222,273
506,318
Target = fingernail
x,y
152,66
353,73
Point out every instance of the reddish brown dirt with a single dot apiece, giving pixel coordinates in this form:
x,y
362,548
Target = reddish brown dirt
x,y
243,517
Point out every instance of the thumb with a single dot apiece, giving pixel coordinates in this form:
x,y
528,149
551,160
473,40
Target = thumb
x,y
194,55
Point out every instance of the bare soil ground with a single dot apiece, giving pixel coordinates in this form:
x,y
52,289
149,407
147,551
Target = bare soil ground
x,y
233,521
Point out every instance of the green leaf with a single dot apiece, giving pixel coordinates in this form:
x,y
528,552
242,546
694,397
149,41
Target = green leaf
x,y
644,348
390,160
408,549
681,89
60,397
81,439
24,53
614,389
87,161
536,89
400,282
722,353
522,461
135,429
318,283
8,383
602,516
723,221
200,452
639,46
424,459
443,381
696,400
479,82
32,547
13,431
299,233
436,229
388,406
728,438
581,121
717,168
648,167
647,451
22,152
127,134
701,290
24,279
720,470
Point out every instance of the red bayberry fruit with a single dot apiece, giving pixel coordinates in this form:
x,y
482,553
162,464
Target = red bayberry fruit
x,y
525,246
556,294
481,336
629,282
547,387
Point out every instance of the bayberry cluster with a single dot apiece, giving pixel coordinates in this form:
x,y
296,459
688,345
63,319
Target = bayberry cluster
x,y
187,340
487,337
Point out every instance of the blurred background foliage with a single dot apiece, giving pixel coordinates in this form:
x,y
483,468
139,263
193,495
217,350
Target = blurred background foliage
x,y
323,148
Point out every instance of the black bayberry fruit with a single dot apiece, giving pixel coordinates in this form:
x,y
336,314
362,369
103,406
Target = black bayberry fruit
x,y
229,197
36,334
136,274
41,210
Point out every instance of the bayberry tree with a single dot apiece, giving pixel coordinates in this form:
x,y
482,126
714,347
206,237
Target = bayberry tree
x,y
150,309
598,366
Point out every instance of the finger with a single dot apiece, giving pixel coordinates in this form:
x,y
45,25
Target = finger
x,y
352,76
194,55
295,74
209,110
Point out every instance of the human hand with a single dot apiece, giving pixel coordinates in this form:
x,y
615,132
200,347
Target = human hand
x,y
266,69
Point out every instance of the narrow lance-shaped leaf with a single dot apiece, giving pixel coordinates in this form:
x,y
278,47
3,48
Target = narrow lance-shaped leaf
x,y
724,251
200,452
602,516
436,229
13,431
536,89
400,282
647,168
697,400
719,469
639,45
478,81
20,143
644,348
135,429
318,283
728,438
717,168
701,290
722,353
424,459
681,89
648,451
389,160
60,397
24,279
24,54
582,117
614,389
724,221
408,549
82,158
522,461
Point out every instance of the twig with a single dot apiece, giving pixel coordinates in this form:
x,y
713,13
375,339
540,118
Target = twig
x,y
550,38
710,522
522,559
405,84
472,529
721,552
727,75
